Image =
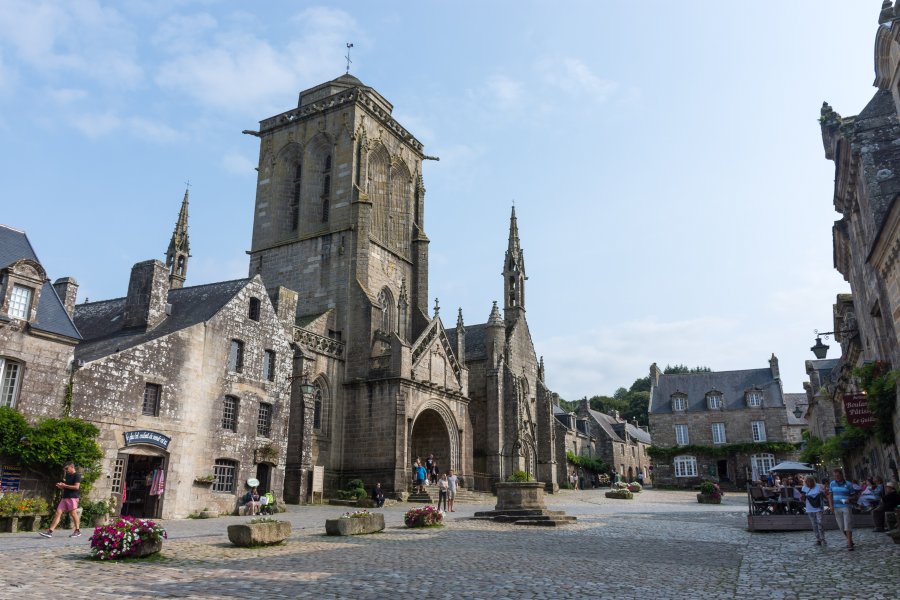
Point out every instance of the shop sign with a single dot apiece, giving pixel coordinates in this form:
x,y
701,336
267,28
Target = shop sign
x,y
10,478
856,407
147,438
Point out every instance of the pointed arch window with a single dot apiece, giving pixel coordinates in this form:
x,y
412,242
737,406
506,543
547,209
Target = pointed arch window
x,y
386,302
326,188
295,197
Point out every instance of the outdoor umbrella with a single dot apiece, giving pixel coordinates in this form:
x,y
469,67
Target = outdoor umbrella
x,y
790,466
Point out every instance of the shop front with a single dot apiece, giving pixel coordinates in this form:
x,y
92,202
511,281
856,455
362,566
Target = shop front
x,y
139,474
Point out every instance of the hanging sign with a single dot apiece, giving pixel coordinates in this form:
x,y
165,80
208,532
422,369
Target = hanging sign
x,y
856,407
147,438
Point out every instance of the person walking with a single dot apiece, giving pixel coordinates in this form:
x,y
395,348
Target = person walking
x,y
813,494
840,494
452,483
71,492
443,486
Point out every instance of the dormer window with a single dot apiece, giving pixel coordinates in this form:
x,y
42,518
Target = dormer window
x,y
754,398
20,302
679,403
715,401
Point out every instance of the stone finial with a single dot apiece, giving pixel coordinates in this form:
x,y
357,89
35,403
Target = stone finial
x,y
459,320
495,319
437,307
541,369
179,250
887,12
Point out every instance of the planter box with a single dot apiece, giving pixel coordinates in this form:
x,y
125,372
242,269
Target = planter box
x,y
619,494
15,523
355,525
520,495
704,499
148,548
259,534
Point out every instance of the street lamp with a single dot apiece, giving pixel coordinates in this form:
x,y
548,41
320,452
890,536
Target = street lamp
x,y
307,388
798,412
820,349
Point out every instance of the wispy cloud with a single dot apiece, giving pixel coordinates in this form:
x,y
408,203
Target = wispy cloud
x,y
572,76
102,124
239,72
506,92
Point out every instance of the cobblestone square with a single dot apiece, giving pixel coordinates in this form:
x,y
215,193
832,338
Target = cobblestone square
x,y
660,545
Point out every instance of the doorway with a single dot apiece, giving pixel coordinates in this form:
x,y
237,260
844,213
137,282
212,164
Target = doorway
x,y
722,470
263,475
144,486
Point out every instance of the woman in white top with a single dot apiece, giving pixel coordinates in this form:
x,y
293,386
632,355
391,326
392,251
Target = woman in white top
x,y
814,496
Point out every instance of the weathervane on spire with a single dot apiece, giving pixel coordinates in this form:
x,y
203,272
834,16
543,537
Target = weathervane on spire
x,y
349,45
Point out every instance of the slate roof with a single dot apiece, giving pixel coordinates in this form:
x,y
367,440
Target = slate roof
x,y
637,433
606,424
732,385
476,348
101,322
824,366
51,314
791,401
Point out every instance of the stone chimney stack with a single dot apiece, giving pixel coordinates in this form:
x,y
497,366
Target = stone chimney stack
x,y
285,303
654,375
67,290
773,364
148,292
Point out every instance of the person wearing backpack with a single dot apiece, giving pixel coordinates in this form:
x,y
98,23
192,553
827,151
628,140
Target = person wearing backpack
x,y
813,494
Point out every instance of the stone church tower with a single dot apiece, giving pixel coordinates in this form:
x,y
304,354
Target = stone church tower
x,y
339,218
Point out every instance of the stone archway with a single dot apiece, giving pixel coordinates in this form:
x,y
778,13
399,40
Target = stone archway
x,y
434,433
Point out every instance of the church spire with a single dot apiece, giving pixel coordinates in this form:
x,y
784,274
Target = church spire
x,y
513,273
179,248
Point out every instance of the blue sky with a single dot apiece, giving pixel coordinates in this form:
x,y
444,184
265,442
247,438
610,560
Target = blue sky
x,y
665,159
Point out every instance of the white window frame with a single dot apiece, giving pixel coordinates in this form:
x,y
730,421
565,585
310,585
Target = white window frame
x,y
10,381
761,463
679,403
715,401
20,301
754,399
718,433
685,466
682,436
758,430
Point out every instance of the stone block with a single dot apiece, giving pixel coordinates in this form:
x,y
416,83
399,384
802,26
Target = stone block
x,y
520,495
259,534
355,525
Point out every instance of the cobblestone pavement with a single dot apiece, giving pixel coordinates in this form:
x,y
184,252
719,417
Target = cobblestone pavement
x,y
660,545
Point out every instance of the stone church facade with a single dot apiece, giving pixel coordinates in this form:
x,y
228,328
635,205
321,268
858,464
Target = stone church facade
x,y
339,218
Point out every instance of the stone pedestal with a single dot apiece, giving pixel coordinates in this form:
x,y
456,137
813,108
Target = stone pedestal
x,y
355,525
520,495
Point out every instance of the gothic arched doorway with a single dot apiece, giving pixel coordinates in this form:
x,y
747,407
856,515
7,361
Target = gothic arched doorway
x,y
431,434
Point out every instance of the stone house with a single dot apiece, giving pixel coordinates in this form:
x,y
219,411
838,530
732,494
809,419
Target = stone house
x,y
796,404
620,444
866,242
339,217
572,435
191,382
37,340
822,412
703,410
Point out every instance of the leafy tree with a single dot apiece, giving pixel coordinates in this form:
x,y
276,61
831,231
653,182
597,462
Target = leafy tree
x,y
684,369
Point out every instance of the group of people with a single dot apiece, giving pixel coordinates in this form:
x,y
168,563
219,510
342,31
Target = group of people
x,y
428,473
843,495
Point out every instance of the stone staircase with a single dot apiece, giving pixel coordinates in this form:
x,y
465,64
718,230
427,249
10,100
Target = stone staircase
x,y
539,517
462,496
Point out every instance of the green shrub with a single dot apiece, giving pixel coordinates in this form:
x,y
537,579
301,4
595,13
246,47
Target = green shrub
x,y
17,504
707,488
519,477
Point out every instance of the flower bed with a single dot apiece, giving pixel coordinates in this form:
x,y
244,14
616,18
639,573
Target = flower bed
x,y
619,494
18,513
126,538
428,516
635,487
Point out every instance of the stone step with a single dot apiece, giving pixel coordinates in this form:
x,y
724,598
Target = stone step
x,y
554,522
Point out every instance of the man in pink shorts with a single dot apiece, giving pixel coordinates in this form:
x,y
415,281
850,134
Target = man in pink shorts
x,y
71,488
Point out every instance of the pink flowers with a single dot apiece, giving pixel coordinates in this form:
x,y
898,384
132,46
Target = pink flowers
x,y
428,516
124,538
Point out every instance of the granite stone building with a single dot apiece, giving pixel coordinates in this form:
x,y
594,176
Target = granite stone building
x,y
620,444
190,385
340,218
703,410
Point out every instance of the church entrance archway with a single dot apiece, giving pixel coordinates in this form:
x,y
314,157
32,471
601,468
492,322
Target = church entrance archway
x,y
431,434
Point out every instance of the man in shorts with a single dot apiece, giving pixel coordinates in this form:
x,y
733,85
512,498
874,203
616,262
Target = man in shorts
x,y
452,482
840,494
71,487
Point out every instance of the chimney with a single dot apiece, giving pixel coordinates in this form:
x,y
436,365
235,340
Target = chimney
x,y
773,364
285,303
654,375
67,290
148,293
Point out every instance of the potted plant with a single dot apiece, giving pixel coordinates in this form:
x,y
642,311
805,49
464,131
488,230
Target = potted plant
x,y
207,479
428,516
98,513
620,491
635,487
127,537
359,522
18,513
710,493
262,531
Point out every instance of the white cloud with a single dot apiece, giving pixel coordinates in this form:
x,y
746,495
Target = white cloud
x,y
67,95
64,37
505,92
237,71
574,77
102,124
238,164
153,131
97,125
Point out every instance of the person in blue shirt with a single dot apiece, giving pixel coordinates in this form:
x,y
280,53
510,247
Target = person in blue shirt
x,y
841,493
420,476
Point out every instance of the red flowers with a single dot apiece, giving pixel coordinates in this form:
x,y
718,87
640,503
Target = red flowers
x,y
124,537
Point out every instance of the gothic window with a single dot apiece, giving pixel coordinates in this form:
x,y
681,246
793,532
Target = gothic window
x,y
386,302
321,408
230,413
401,195
317,410
151,400
295,197
379,176
20,302
254,309
10,381
326,188
236,356
225,471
